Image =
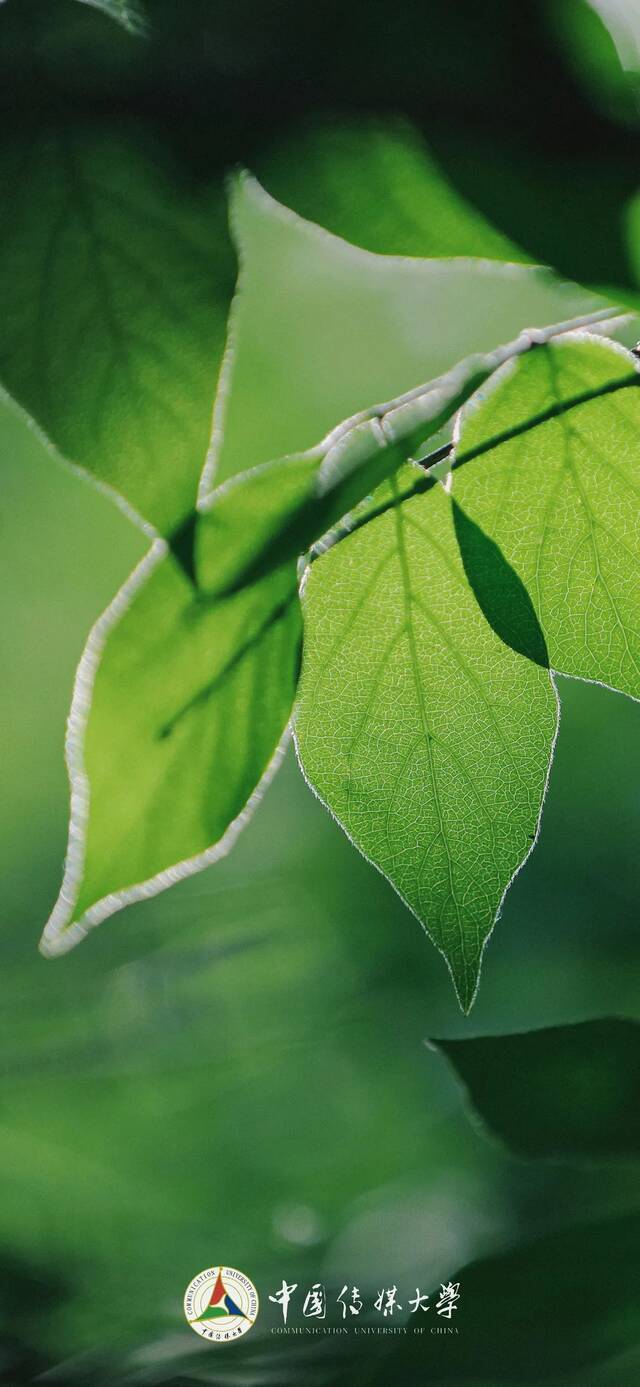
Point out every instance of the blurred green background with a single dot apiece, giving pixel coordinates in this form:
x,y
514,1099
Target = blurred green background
x,y
235,1071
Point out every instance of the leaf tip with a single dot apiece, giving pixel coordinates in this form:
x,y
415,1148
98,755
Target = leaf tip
x,y
466,981
57,940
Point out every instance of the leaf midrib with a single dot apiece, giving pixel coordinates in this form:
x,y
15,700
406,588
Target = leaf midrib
x,y
407,594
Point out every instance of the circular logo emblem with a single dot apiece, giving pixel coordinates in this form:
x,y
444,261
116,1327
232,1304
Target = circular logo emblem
x,y
221,1304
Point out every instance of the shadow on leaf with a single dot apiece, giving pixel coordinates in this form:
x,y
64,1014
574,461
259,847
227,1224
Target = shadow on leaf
x,y
499,591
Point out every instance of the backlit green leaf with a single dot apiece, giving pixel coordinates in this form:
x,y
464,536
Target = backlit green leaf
x,y
555,483
189,703
179,656
179,706
425,735
569,1091
114,304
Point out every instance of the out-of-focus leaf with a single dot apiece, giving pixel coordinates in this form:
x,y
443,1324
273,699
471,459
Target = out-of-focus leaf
x,y
632,227
321,329
376,184
549,472
569,1091
622,20
576,1284
180,703
115,277
423,733
126,12
542,197
601,42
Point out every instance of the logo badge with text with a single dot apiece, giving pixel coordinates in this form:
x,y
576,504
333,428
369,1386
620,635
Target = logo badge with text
x,y
221,1304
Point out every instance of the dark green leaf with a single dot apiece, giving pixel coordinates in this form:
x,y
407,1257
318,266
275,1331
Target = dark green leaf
x,y
569,1091
555,1305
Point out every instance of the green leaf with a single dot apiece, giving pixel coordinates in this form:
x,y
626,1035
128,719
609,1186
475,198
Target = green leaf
x,y
115,300
455,897
179,706
569,1091
186,660
128,13
424,734
548,467
377,184
602,51
576,1286
320,329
